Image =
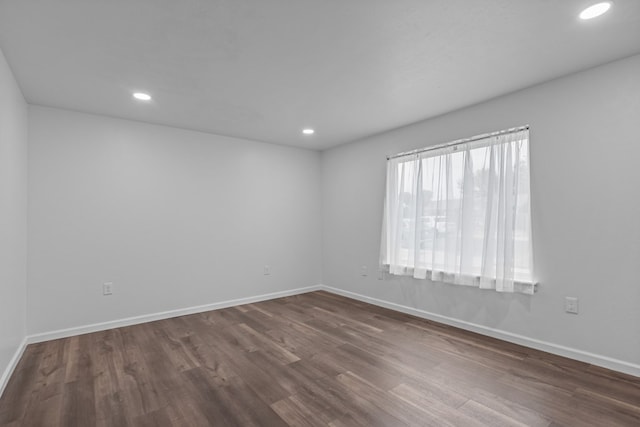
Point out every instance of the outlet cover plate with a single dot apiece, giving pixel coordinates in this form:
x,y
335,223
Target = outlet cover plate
x,y
107,288
571,305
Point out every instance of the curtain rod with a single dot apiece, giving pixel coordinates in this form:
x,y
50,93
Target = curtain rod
x,y
460,141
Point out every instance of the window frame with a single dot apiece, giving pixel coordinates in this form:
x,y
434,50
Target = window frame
x,y
467,144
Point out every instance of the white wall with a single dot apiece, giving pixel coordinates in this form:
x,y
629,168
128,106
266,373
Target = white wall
x,y
585,154
13,217
178,218
173,218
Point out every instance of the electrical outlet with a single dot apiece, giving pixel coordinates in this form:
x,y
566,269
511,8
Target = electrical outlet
x,y
266,270
571,305
363,271
107,288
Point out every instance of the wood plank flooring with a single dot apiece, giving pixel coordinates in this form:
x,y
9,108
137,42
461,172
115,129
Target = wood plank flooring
x,y
310,360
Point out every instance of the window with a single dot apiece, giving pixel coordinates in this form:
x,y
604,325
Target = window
x,y
461,213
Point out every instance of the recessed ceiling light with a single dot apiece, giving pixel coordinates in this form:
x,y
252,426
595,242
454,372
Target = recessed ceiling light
x,y
142,96
595,10
308,131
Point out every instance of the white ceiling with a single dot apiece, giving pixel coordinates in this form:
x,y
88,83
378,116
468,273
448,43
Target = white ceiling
x,y
263,69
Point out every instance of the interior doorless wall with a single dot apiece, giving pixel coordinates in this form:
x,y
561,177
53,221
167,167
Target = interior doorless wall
x,y
584,181
13,220
173,218
177,218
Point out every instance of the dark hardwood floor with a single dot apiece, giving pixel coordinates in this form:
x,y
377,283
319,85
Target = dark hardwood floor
x,y
310,360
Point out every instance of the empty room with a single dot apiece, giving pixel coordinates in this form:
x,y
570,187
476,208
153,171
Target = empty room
x,y
319,213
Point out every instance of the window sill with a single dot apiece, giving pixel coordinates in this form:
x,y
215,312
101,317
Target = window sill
x,y
523,287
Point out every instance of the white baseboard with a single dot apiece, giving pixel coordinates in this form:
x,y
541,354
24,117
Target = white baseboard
x,y
96,327
4,379
571,353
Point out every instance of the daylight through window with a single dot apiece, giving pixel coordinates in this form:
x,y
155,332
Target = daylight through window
x,y
461,213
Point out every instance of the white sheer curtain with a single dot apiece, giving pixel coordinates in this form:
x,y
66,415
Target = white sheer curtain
x,y
461,214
